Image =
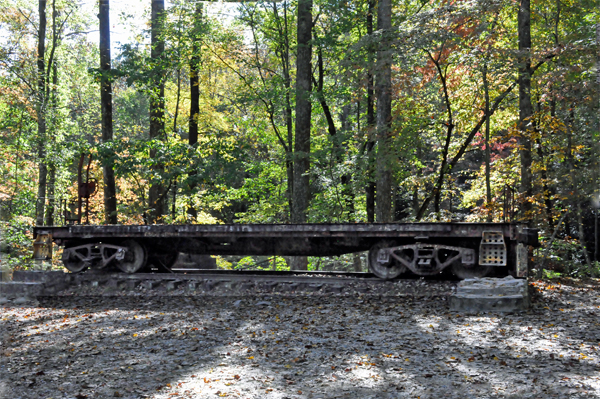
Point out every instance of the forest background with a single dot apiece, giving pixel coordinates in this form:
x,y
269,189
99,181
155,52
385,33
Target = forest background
x,y
306,111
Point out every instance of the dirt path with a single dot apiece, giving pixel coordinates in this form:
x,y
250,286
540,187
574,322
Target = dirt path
x,y
301,346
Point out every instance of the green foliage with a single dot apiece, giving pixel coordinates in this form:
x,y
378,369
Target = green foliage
x,y
16,240
261,263
565,258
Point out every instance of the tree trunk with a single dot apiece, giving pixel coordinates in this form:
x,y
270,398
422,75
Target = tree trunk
x,y
488,185
383,89
51,199
371,186
586,255
540,271
177,101
337,149
284,54
346,178
465,144
41,116
53,100
547,191
444,167
110,191
303,115
357,262
194,78
597,168
156,196
486,92
525,107
303,112
194,96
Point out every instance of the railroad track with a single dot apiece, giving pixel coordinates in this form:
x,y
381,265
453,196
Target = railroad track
x,y
235,282
37,284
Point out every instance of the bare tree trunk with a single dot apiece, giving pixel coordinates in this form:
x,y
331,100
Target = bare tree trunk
x,y
597,168
371,186
303,115
488,185
346,178
156,196
337,149
110,191
445,167
51,189
383,207
194,78
540,271
357,262
41,116
51,184
177,100
303,112
194,94
525,107
284,54
586,255
546,190
486,91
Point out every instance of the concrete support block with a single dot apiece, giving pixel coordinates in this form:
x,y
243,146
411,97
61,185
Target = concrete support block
x,y
490,295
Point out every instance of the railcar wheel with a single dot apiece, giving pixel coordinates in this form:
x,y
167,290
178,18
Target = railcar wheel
x,y
388,270
475,271
72,262
135,257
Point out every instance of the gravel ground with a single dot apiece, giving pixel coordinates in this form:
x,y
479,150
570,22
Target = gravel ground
x,y
301,346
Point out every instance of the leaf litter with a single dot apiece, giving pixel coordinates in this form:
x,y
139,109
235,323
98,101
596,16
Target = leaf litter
x,y
302,346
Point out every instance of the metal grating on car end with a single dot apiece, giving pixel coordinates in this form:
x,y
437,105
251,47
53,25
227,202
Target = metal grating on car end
x,y
492,250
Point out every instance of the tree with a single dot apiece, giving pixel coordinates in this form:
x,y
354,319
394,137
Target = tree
x,y
194,92
41,114
157,193
371,185
525,107
110,195
383,207
301,186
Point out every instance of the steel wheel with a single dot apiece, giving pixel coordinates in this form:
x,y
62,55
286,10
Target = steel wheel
x,y
388,270
474,271
72,262
135,257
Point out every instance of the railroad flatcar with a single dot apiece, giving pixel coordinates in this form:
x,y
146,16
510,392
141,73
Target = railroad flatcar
x,y
425,249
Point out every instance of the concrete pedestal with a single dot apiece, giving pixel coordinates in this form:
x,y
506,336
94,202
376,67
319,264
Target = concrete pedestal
x,y
490,295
